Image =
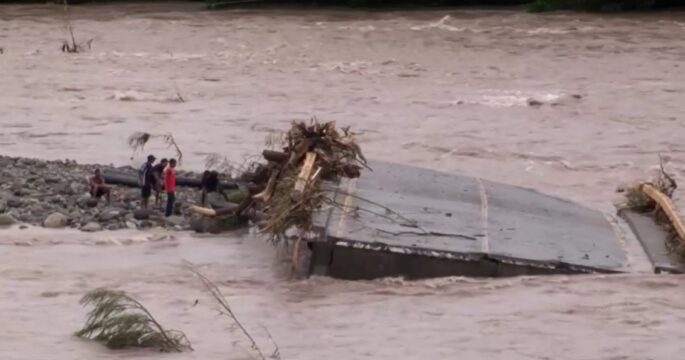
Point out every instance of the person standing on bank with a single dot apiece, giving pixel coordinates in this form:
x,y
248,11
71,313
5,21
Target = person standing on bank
x,y
158,185
169,176
146,180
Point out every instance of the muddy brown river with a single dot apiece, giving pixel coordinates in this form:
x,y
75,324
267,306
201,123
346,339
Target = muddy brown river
x,y
443,89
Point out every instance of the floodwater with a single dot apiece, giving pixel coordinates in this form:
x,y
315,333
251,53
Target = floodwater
x,y
444,89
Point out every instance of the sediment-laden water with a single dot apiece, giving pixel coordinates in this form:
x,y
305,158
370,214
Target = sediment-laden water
x,y
444,89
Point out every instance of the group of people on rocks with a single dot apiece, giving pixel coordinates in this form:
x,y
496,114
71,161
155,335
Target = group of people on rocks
x,y
160,177
231,201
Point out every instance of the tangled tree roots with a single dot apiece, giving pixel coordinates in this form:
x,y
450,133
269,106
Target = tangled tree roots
x,y
119,321
655,197
638,200
292,179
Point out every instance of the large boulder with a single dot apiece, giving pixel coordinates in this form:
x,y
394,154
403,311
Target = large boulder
x,y
7,220
55,221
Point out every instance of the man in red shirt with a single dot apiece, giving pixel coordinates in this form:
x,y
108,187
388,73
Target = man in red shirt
x,y
169,176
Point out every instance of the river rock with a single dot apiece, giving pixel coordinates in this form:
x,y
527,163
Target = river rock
x,y
91,227
64,188
52,180
109,215
7,220
58,200
14,202
3,205
35,209
115,226
141,214
82,201
146,224
131,194
55,221
175,220
77,187
19,189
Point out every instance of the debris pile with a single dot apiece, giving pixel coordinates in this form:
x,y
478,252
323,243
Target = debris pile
x,y
291,180
655,197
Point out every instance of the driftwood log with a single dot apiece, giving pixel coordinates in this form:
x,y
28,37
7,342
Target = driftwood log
x,y
202,211
304,176
127,179
666,205
278,157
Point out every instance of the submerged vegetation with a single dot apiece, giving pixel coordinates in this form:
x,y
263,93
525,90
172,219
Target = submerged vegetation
x,y
120,321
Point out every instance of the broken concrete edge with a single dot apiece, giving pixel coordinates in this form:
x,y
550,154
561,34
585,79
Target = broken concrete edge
x,y
475,256
654,242
637,259
328,258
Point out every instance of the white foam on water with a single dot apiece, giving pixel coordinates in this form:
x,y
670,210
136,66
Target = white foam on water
x,y
441,24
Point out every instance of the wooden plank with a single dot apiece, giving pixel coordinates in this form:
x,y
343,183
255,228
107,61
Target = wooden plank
x,y
265,195
305,173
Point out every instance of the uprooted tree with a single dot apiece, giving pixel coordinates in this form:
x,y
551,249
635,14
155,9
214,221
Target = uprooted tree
x,y
655,197
293,177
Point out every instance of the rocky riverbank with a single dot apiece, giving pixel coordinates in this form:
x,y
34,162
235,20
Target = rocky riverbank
x,y
54,194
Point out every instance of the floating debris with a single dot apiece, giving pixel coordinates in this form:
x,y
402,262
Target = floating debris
x,y
655,197
292,178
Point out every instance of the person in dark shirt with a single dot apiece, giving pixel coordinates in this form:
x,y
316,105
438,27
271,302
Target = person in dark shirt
x,y
158,185
146,180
